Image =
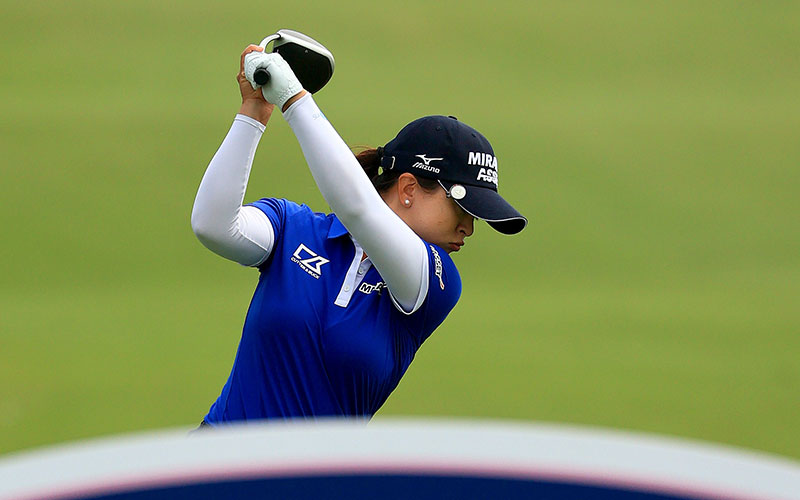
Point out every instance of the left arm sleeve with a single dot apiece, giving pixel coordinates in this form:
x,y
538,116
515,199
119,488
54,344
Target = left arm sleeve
x,y
444,290
397,252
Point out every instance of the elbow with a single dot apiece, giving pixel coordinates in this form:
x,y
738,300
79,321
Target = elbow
x,y
202,227
198,224
213,233
205,233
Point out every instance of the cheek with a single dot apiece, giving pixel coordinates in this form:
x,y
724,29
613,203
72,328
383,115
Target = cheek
x,y
436,219
429,222
443,218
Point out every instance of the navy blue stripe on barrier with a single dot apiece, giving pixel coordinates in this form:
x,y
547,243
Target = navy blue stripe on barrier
x,y
387,487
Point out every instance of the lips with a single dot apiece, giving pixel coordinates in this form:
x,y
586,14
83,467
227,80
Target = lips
x,y
455,246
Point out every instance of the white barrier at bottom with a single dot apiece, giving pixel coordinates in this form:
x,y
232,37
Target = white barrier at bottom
x,y
391,458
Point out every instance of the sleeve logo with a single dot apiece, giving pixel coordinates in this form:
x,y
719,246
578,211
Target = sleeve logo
x,y
309,261
437,262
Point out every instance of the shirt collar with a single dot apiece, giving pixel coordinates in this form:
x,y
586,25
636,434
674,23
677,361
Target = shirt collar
x,y
337,229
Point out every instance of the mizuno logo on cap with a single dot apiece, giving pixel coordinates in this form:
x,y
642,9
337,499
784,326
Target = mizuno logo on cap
x,y
427,160
426,164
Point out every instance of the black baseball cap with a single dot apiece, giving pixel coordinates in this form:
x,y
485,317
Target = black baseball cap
x,y
462,160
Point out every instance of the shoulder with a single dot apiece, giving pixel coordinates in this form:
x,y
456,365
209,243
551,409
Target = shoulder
x,y
297,228
282,206
282,211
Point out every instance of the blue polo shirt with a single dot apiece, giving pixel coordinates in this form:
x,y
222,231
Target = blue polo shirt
x,y
322,336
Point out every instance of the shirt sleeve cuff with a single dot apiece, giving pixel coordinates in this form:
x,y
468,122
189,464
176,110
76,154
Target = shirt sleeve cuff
x,y
298,104
250,121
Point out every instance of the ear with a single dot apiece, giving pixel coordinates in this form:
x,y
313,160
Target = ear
x,y
406,186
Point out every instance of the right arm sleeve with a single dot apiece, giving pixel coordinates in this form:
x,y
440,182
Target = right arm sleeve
x,y
242,234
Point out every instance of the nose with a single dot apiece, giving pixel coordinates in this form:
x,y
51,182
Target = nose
x,y
467,225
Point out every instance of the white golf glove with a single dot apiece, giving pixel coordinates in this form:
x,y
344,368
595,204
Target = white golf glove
x,y
282,84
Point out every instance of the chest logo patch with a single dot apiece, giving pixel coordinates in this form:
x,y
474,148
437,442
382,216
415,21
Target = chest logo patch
x,y
309,261
368,288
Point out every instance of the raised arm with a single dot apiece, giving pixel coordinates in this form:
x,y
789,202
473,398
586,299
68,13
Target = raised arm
x,y
397,252
241,234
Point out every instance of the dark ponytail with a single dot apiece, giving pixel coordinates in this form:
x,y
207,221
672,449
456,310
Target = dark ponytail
x,y
370,160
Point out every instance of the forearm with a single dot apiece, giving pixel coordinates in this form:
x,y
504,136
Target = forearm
x,y
218,219
256,110
397,252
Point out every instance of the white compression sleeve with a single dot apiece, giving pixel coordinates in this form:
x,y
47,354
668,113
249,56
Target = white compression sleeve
x,y
242,234
397,252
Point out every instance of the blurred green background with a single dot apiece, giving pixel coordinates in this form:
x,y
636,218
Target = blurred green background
x,y
653,146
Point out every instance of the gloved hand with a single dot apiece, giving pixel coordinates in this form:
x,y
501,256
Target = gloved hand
x,y
282,84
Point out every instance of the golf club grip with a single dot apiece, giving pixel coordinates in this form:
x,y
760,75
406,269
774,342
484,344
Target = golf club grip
x,y
261,76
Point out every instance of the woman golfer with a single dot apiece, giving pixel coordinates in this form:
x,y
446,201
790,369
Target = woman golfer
x,y
344,300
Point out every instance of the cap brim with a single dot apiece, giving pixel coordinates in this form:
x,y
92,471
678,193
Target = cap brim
x,y
486,204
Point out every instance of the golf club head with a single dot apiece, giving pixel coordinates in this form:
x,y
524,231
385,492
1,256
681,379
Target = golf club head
x,y
311,62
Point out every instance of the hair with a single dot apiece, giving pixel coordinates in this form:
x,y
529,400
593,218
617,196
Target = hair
x,y
382,179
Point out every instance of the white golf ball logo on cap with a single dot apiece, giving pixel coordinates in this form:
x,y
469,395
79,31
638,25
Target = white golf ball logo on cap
x,y
458,191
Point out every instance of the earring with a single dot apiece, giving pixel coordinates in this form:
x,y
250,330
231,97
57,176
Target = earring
x,y
407,202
